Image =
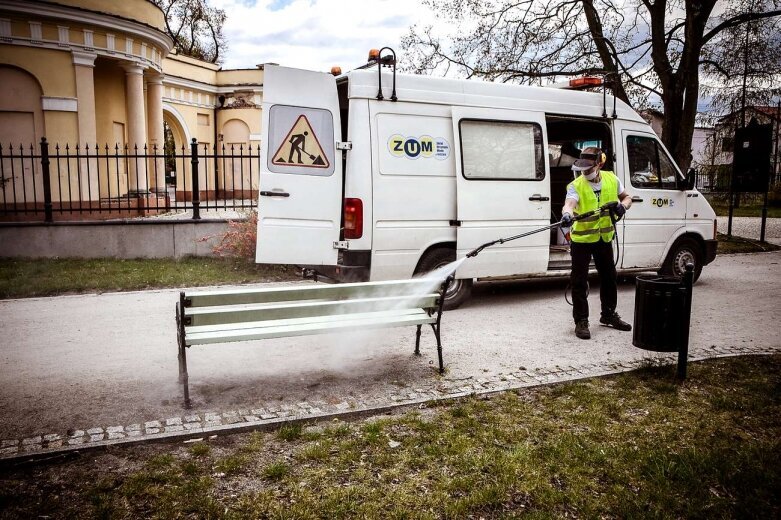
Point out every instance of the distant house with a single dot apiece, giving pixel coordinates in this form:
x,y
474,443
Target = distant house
x,y
719,146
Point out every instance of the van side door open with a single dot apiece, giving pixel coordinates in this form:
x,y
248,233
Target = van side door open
x,y
502,190
300,205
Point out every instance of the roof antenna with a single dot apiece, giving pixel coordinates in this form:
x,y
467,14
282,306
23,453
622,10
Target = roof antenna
x,y
616,79
387,60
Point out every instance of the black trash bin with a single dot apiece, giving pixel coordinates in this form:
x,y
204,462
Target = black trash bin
x,y
659,307
663,314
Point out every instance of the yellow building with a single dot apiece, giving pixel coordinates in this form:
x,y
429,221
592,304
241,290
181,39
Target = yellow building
x,y
87,72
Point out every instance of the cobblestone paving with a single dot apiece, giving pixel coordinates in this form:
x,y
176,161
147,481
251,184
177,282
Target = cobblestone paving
x,y
193,425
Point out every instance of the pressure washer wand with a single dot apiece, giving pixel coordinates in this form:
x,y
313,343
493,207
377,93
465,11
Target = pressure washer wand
x,y
476,251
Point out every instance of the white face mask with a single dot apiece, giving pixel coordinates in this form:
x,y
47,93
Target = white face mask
x,y
590,176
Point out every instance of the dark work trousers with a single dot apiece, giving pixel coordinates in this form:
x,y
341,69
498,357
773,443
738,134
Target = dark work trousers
x,y
603,260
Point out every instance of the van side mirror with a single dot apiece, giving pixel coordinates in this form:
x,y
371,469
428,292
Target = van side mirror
x,y
691,178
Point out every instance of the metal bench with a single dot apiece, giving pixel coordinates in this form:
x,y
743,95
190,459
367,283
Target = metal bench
x,y
242,315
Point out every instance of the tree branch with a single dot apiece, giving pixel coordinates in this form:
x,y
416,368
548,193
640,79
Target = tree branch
x,y
737,20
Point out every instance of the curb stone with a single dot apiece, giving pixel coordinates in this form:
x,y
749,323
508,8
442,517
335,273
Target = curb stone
x,y
192,426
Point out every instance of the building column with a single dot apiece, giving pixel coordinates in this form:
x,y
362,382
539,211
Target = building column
x,y
136,127
83,66
154,106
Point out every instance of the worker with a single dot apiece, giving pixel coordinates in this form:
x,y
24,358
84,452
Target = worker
x,y
592,237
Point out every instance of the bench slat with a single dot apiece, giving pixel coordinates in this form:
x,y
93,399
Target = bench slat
x,y
305,329
391,314
313,292
260,312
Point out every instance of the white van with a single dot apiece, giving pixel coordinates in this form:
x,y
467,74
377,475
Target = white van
x,y
358,186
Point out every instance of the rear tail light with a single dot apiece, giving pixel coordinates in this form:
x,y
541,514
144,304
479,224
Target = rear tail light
x,y
353,218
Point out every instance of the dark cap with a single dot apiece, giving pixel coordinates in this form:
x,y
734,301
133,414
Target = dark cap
x,y
589,158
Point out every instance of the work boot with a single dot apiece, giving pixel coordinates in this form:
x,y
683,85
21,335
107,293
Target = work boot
x,y
581,329
615,321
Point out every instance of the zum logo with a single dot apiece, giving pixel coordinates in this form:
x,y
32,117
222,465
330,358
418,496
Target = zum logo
x,y
424,146
660,203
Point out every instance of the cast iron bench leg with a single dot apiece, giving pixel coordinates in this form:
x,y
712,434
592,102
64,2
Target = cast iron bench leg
x,y
435,327
183,376
417,341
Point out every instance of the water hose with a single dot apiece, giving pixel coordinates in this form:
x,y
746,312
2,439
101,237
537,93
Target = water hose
x,y
609,207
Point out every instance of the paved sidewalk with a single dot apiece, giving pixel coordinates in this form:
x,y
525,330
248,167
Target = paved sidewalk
x,y
750,227
88,370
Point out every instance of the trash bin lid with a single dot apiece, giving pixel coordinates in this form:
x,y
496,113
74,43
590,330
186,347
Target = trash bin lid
x,y
653,279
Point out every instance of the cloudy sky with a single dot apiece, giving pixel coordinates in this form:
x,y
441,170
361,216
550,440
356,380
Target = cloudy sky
x,y
314,34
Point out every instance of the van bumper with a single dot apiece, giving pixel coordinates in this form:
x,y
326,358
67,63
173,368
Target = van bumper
x,y
336,273
710,251
352,266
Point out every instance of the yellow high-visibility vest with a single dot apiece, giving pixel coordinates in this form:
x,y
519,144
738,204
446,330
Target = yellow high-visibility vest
x,y
592,228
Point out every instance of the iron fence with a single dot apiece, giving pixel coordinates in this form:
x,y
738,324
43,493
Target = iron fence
x,y
78,183
718,178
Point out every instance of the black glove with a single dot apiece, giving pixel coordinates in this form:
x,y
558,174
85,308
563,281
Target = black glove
x,y
616,209
566,220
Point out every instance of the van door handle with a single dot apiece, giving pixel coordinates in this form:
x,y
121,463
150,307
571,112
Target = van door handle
x,y
274,194
537,196
636,199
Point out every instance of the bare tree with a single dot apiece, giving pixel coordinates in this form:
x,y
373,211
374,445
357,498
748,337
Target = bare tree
x,y
195,28
655,47
744,58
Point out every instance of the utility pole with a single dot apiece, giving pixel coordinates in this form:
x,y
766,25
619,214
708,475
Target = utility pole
x,y
772,175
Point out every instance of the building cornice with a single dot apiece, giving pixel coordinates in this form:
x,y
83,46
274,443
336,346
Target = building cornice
x,y
193,62
78,48
177,81
83,16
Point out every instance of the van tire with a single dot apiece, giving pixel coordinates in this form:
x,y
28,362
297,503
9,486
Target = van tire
x,y
683,251
460,290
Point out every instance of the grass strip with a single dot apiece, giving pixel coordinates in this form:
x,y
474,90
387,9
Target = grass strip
x,y
746,210
634,445
25,277
30,277
735,244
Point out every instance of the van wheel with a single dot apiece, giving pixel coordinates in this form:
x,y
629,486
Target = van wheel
x,y
458,291
683,252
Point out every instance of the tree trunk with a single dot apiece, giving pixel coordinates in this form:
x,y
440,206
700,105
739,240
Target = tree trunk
x,y
680,89
680,111
604,48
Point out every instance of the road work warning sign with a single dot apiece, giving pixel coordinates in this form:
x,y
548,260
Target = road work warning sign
x,y
301,147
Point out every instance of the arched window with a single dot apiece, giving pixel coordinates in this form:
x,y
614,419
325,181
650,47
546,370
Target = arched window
x,y
238,178
21,124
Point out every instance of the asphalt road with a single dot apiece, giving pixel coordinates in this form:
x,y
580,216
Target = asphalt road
x,y
99,360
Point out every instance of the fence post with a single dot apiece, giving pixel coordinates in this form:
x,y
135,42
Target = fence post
x,y
47,184
196,189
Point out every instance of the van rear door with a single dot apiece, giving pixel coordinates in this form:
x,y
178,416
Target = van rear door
x,y
502,190
300,205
